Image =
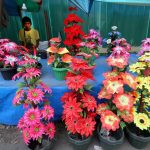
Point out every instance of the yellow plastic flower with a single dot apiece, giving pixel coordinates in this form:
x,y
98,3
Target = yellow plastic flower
x,y
147,100
145,57
138,67
142,121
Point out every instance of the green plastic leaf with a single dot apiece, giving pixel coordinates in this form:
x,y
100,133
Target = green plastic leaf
x,y
81,91
118,113
40,140
88,87
21,84
122,124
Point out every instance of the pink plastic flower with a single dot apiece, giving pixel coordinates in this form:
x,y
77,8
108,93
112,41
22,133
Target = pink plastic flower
x,y
31,72
10,59
47,112
26,135
27,60
36,131
32,117
18,97
21,123
2,41
11,46
104,94
110,121
35,95
50,130
17,75
123,101
45,87
101,108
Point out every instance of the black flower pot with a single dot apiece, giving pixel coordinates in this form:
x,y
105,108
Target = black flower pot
x,y
138,141
42,54
8,73
111,142
45,145
79,144
39,65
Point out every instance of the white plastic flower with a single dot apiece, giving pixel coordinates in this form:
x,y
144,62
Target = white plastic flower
x,y
114,27
108,41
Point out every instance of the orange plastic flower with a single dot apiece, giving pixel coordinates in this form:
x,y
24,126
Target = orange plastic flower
x,y
52,49
56,40
62,50
113,86
129,80
51,59
66,58
127,117
123,101
101,108
104,94
110,121
110,75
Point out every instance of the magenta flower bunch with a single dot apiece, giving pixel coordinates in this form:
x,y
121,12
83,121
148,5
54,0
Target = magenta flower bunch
x,y
33,95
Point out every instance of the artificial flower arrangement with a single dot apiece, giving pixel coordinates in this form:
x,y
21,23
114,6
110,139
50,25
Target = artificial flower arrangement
x,y
141,122
9,56
90,46
118,88
59,59
116,40
73,31
36,125
79,105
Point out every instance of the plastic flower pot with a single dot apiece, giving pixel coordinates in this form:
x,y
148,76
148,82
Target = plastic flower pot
x,y
139,142
8,73
111,142
59,73
78,144
45,145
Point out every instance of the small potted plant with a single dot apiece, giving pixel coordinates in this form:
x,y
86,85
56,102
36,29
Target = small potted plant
x,y
37,129
90,46
117,108
8,58
138,132
79,105
59,59
116,40
73,31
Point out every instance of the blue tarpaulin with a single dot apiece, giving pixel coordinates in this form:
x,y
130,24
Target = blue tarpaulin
x,y
10,114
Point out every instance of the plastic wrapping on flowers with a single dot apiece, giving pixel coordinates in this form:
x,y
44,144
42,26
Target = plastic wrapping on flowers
x,y
33,95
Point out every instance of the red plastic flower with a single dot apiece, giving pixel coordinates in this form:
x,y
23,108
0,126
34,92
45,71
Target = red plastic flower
x,y
35,95
75,83
36,131
123,101
113,86
72,108
51,59
110,121
127,117
88,126
32,117
66,58
72,18
72,8
50,130
88,74
129,80
89,102
67,96
31,72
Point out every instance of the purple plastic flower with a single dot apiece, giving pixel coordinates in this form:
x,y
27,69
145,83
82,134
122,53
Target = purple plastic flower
x,y
145,46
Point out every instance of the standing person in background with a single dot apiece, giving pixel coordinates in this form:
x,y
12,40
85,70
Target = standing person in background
x,y
28,36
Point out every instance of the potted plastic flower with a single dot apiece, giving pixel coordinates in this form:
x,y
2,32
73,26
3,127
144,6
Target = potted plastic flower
x,y
59,60
37,129
115,40
116,110
90,46
8,58
73,31
79,105
138,132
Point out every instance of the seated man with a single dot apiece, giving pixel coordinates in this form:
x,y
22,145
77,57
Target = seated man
x,y
28,36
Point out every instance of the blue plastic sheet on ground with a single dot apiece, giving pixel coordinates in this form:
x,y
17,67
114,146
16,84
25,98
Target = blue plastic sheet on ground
x,y
10,114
